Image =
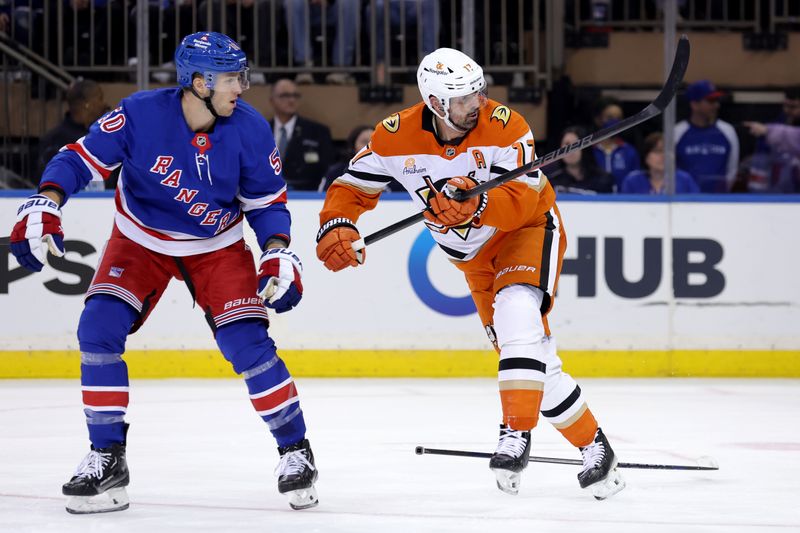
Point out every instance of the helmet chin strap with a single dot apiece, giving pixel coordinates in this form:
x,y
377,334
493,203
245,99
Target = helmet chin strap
x,y
207,101
453,126
448,122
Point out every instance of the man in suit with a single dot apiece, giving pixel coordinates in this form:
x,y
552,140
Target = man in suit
x,y
305,146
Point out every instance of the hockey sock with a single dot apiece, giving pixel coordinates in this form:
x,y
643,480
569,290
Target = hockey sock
x,y
521,371
581,432
246,344
103,328
563,404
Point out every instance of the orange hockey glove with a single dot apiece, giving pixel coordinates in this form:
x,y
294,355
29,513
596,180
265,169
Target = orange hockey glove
x,y
335,245
445,211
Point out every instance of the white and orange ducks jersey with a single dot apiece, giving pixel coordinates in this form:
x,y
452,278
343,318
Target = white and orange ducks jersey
x,y
404,147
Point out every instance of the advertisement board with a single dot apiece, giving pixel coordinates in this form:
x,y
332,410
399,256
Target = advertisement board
x,y
638,276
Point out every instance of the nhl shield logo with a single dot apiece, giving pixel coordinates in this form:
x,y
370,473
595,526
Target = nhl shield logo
x,y
450,151
201,142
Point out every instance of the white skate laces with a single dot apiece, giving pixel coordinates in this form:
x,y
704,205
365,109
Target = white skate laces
x,y
93,465
293,462
593,455
512,443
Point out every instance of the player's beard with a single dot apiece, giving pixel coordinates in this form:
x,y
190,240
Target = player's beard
x,y
467,123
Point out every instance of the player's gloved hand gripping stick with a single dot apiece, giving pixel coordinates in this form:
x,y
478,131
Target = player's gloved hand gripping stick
x,y
655,108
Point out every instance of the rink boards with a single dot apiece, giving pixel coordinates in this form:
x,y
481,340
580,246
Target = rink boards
x,y
649,288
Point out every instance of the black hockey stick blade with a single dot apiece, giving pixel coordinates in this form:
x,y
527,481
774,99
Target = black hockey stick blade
x,y
653,109
710,464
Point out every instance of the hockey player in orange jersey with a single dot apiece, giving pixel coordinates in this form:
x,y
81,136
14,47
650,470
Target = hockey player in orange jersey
x,y
509,243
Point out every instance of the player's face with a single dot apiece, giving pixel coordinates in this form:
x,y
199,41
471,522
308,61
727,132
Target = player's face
x,y
464,110
227,89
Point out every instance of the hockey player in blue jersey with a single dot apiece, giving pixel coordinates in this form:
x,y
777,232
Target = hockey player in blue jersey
x,y
195,161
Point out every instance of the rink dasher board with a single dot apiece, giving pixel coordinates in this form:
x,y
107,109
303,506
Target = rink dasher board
x,y
727,308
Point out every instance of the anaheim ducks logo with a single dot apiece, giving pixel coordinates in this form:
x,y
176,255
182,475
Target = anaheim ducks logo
x,y
501,113
392,123
426,192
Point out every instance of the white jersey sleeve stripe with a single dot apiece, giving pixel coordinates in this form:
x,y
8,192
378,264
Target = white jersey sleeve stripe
x,y
249,204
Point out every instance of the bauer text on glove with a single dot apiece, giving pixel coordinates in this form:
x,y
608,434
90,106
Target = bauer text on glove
x,y
38,229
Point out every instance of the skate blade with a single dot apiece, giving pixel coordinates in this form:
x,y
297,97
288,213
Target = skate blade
x,y
507,481
107,502
303,498
609,485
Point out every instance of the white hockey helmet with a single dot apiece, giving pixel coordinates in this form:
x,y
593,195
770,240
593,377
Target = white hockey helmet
x,y
447,73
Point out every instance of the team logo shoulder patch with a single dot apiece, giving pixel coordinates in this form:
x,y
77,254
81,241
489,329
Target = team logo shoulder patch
x,y
392,123
502,114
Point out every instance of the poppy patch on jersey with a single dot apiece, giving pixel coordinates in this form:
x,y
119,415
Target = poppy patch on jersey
x,y
392,123
501,113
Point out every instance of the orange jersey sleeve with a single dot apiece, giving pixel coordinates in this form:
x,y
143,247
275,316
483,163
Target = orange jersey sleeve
x,y
521,201
517,204
346,201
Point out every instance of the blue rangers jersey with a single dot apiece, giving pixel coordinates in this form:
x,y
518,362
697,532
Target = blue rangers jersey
x,y
180,192
710,155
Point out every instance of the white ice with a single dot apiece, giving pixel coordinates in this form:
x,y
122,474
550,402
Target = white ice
x,y
201,460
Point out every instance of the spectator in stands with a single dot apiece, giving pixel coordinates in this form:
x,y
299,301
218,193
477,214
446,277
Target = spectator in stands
x,y
21,19
88,27
339,14
424,13
356,140
168,20
578,172
791,106
85,104
244,20
705,146
652,180
305,146
613,155
779,137
777,170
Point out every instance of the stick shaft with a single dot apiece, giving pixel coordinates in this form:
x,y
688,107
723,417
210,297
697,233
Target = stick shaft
x,y
558,460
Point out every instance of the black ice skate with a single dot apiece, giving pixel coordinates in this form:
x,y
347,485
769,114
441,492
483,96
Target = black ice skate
x,y
296,475
600,473
98,485
510,458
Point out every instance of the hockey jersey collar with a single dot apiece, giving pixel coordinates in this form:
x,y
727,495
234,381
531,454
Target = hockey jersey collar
x,y
427,125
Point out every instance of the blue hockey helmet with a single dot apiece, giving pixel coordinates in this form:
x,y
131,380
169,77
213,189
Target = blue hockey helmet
x,y
210,53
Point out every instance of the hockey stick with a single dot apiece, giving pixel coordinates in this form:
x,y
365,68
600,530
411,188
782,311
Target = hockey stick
x,y
655,108
420,450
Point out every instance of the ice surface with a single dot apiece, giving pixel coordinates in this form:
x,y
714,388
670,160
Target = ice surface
x,y
201,460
